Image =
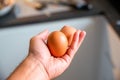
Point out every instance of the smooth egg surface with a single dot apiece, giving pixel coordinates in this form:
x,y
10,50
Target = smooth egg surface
x,y
57,43
69,32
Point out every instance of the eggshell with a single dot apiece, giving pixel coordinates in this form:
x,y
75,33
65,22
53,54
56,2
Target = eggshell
x,y
69,32
57,43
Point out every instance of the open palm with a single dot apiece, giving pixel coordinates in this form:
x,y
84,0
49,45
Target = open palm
x,y
54,66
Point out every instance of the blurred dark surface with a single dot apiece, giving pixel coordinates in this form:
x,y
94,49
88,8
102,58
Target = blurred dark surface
x,y
93,7
116,4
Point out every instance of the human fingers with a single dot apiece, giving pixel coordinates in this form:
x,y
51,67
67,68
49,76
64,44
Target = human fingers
x,y
43,35
77,40
38,42
38,46
81,38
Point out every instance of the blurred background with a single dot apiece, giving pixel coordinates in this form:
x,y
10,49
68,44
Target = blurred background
x,y
99,56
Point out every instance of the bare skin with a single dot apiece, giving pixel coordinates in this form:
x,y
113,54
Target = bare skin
x,y
40,64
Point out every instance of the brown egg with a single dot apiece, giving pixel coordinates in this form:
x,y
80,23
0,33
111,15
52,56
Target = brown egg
x,y
69,32
57,43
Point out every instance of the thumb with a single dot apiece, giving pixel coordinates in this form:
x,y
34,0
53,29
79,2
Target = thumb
x,y
43,35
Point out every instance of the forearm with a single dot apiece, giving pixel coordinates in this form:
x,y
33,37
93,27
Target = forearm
x,y
29,69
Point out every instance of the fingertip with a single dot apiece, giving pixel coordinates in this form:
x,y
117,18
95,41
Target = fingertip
x,y
83,34
43,32
78,31
46,31
43,35
76,34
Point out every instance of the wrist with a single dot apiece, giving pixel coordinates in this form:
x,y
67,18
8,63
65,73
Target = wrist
x,y
38,69
29,69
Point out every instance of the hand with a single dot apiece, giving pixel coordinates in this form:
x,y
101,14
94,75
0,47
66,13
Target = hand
x,y
54,66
